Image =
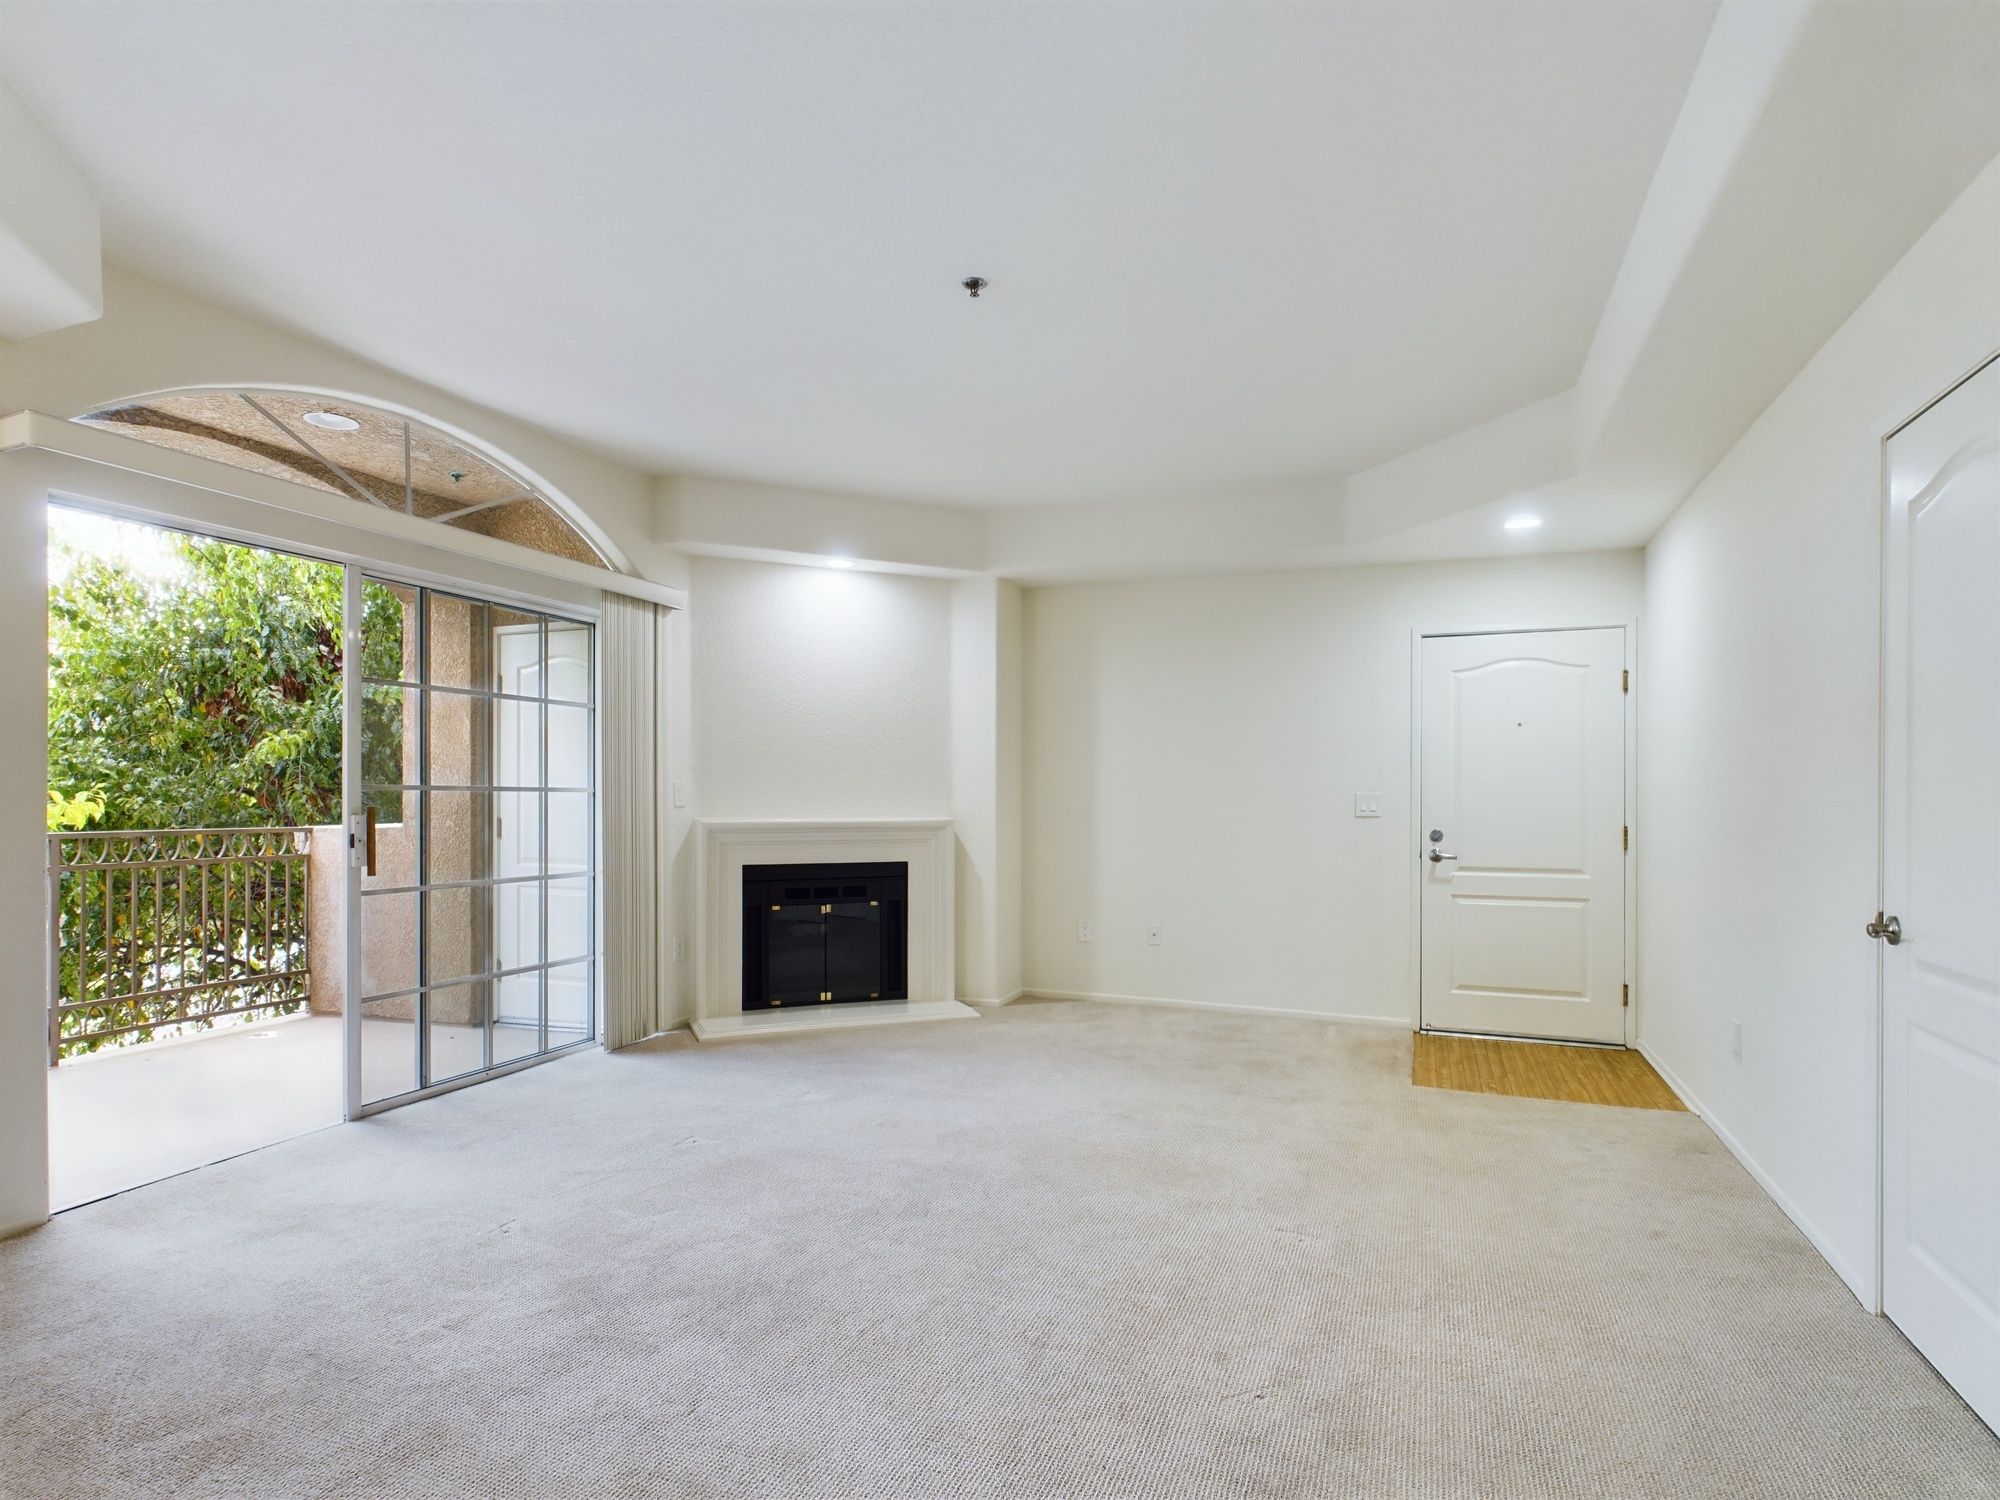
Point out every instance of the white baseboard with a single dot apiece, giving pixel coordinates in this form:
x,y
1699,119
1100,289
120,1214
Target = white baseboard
x,y
1400,1022
1856,1283
992,1004
1671,1080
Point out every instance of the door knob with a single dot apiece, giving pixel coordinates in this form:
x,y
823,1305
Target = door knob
x,y
1438,856
1888,929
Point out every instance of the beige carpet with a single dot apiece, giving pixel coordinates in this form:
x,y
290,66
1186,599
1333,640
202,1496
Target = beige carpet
x,y
1068,1250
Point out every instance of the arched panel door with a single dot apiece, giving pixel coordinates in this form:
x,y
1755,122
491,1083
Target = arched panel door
x,y
1941,891
1522,829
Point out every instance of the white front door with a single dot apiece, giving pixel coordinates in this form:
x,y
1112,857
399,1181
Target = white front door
x,y
1521,820
1941,882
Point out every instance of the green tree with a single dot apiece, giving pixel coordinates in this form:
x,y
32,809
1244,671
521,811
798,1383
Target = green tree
x,y
211,699
207,695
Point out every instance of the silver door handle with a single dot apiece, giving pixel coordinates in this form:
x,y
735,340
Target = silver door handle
x,y
1438,856
1888,929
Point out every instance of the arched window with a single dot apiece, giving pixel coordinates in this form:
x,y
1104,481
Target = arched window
x,y
346,447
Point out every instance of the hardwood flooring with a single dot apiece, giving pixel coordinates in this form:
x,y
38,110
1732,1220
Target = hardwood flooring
x,y
1537,1070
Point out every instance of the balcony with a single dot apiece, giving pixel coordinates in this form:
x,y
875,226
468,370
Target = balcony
x,y
198,993
124,1116
195,1001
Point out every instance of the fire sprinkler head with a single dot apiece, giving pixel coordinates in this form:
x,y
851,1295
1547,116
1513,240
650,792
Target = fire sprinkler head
x,y
974,284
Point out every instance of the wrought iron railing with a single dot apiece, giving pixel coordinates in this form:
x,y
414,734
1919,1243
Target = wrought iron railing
x,y
157,931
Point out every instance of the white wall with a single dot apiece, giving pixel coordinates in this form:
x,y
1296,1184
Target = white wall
x,y
1010,792
1193,748
819,693
24,1026
1757,834
986,785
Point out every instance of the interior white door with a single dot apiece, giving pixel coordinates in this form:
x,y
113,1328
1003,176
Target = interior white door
x,y
517,825
542,835
1522,829
1941,882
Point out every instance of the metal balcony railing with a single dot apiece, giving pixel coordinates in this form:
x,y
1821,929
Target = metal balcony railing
x,y
160,930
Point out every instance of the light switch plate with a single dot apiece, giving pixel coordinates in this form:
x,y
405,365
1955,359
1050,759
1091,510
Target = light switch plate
x,y
1367,804
1083,930
680,794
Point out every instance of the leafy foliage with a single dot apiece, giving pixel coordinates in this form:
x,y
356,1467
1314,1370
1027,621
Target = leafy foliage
x,y
211,699
207,695
73,813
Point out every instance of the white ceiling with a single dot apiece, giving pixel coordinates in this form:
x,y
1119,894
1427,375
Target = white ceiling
x,y
1231,245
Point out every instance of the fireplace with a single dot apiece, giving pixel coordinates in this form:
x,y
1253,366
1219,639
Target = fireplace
x,y
821,934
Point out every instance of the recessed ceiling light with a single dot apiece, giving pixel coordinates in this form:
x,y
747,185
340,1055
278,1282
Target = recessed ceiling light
x,y
331,421
1522,523
840,562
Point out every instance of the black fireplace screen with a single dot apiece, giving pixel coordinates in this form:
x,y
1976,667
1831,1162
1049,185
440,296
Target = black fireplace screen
x,y
817,934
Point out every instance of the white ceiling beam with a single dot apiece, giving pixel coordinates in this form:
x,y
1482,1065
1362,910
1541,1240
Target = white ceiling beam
x,y
51,263
1512,455
1739,67
736,518
1820,140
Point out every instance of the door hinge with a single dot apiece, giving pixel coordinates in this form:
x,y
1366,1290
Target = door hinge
x,y
1628,835
1625,680
1628,995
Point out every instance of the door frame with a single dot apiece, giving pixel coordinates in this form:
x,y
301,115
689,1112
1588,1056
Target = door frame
x,y
48,460
356,572
1883,509
1629,959
132,494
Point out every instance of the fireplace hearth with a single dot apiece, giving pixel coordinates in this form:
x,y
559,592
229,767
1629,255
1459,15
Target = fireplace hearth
x,y
822,934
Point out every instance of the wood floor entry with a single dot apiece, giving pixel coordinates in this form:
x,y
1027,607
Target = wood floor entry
x,y
1532,1070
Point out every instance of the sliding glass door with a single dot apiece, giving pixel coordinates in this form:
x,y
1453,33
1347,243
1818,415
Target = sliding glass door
x,y
472,899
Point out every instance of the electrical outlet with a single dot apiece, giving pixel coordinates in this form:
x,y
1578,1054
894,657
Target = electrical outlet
x,y
680,947
1736,1040
1083,930
1152,934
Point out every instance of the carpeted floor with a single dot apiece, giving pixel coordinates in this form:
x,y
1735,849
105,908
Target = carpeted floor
x,y
1066,1250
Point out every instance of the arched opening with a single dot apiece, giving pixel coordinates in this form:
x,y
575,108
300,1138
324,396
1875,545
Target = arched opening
x,y
368,453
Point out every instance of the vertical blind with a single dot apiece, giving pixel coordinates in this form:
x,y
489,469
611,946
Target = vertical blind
x,y
633,633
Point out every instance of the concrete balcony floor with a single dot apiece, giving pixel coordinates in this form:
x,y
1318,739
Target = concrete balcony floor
x,y
133,1115
125,1117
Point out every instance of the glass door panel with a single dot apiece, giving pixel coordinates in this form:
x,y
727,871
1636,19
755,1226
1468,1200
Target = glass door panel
x,y
795,953
572,997
854,951
473,887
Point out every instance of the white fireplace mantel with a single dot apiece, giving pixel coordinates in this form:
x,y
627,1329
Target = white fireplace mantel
x,y
724,848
